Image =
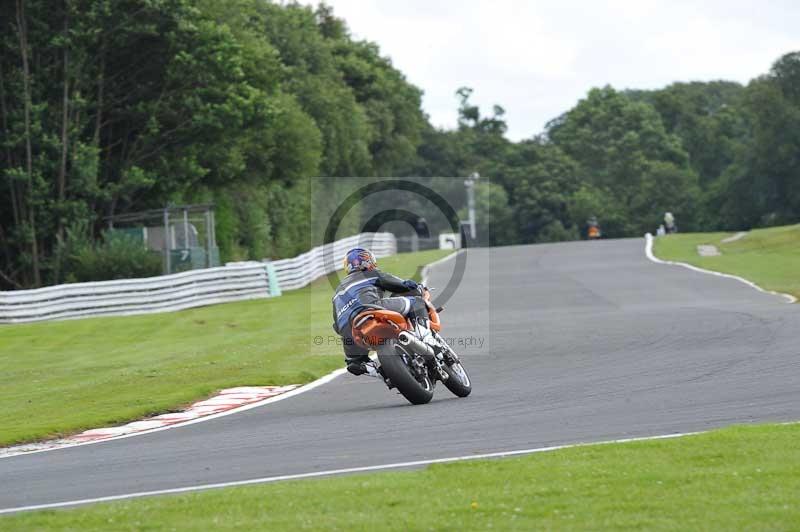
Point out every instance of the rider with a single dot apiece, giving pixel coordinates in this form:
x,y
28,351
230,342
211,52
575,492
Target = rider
x,y
669,223
593,228
366,285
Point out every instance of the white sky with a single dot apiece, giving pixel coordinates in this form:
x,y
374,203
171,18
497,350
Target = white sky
x,y
538,58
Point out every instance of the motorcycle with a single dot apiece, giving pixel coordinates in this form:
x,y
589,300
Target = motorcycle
x,y
411,354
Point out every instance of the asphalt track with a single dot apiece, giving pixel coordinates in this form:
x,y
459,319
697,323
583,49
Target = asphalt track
x,y
581,342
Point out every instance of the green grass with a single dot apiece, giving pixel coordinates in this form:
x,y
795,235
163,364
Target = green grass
x,y
739,478
768,257
62,377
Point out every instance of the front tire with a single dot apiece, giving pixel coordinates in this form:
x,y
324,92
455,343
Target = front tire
x,y
458,380
395,368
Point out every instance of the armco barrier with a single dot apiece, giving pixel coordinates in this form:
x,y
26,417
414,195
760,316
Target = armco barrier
x,y
136,296
234,282
301,270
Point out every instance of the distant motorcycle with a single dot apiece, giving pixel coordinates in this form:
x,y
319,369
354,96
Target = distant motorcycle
x,y
411,355
593,231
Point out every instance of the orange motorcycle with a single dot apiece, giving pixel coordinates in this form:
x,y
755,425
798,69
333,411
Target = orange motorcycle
x,y
411,355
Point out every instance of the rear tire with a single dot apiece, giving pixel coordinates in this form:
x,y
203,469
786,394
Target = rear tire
x,y
401,376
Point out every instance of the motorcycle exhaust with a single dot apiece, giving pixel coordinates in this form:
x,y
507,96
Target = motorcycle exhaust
x,y
424,350
419,347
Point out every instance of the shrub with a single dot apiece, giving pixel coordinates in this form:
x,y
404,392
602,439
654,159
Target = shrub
x,y
556,232
117,256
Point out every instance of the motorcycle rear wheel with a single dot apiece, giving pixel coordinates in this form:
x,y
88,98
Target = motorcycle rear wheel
x,y
395,368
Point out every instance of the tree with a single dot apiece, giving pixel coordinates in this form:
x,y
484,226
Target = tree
x,y
391,104
493,215
762,186
624,151
118,105
708,119
542,181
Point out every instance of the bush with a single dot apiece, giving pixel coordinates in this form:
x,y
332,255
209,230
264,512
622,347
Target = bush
x,y
556,232
117,256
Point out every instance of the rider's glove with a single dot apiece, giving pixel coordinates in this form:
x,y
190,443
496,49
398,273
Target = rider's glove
x,y
410,285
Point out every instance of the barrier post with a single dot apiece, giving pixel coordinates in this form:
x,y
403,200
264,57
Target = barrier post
x,y
272,279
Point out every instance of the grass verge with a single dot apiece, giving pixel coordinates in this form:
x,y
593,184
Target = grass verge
x,y
768,257
739,478
63,377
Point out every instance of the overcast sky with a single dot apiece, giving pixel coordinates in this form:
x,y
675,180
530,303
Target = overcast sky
x,y
538,58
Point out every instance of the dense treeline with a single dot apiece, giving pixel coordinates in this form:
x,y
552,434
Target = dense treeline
x,y
114,106
719,155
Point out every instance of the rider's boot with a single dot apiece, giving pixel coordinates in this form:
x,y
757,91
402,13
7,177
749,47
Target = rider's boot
x,y
363,366
358,365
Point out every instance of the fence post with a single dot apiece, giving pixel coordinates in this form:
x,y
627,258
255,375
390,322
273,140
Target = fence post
x,y
272,280
167,250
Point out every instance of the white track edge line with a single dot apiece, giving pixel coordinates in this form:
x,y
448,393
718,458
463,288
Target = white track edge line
x,y
306,387
280,397
363,469
331,472
649,252
427,268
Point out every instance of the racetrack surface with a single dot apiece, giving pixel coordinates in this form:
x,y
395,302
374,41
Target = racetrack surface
x,y
583,342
